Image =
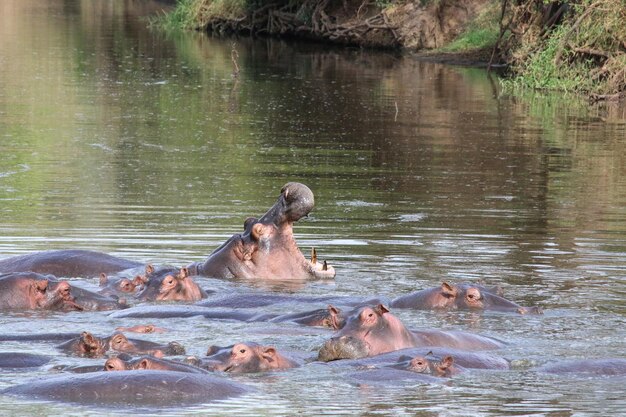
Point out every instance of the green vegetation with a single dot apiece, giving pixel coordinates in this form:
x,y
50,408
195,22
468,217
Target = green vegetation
x,y
576,46
184,16
481,33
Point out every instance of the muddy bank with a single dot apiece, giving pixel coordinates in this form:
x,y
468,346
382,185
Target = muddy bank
x,y
404,26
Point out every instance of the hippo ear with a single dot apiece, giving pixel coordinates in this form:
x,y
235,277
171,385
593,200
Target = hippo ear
x,y
269,353
149,269
184,273
139,280
448,290
259,231
443,367
103,279
313,256
334,311
248,222
336,322
381,309
143,364
446,362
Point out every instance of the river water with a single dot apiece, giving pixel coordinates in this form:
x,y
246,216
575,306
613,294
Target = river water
x,y
120,139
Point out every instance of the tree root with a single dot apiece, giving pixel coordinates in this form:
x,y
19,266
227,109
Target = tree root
x,y
312,19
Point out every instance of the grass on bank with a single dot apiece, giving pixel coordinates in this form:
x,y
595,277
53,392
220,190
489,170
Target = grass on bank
x,y
585,54
194,14
480,34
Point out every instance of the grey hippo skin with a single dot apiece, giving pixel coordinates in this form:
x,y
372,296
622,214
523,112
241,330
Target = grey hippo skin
x,y
587,367
148,388
17,360
462,296
68,263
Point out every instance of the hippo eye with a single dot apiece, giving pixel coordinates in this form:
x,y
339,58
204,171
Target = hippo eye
x,y
242,351
420,363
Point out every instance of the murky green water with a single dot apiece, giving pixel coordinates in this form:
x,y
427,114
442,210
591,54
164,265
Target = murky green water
x,y
142,145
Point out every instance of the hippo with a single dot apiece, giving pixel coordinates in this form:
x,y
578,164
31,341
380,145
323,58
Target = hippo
x,y
443,367
331,317
91,346
587,367
88,300
131,388
460,296
38,337
121,285
152,363
32,291
68,263
254,300
374,330
170,284
18,360
267,249
252,357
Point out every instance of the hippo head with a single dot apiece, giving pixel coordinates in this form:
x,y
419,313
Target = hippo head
x,y
250,357
479,298
423,365
267,249
170,284
331,317
90,345
60,297
121,285
116,364
369,331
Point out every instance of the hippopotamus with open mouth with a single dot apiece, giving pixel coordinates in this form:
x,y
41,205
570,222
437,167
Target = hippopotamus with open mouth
x,y
267,249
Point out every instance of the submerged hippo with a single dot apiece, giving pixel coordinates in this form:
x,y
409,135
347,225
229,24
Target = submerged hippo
x,y
88,300
68,263
267,248
460,297
401,359
32,291
443,367
374,330
15,360
588,367
152,363
146,387
252,357
170,284
92,346
121,285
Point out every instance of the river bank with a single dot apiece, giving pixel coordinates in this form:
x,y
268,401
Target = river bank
x,y
573,46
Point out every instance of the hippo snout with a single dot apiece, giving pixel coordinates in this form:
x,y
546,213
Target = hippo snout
x,y
175,348
343,347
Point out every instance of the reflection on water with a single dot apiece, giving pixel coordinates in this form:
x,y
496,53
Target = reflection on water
x,y
143,145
